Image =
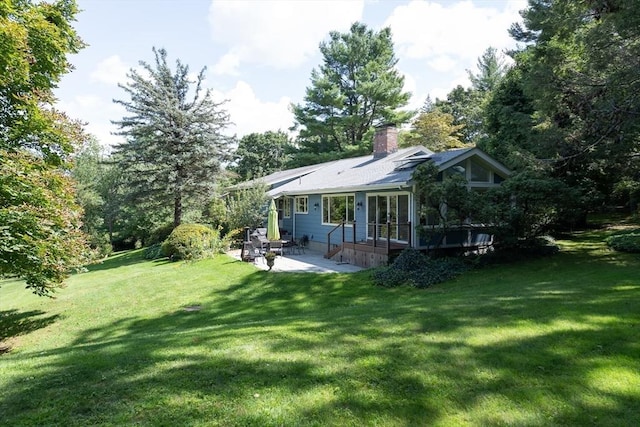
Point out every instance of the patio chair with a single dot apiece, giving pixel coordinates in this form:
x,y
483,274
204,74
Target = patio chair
x,y
294,247
261,243
277,247
304,241
251,252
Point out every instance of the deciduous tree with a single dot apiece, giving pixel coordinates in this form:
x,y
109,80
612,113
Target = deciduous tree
x,y
40,236
259,154
435,130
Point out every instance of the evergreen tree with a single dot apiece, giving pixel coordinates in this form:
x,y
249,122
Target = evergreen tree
x,y
356,87
467,106
583,78
174,142
491,69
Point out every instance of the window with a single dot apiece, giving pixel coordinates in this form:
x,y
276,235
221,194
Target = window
x,y
287,207
479,173
302,205
390,214
336,209
459,169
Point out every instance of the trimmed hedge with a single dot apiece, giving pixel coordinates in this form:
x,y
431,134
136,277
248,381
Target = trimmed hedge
x,y
627,241
415,269
192,242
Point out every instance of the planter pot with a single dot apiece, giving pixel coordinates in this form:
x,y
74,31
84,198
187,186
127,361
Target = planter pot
x,y
270,263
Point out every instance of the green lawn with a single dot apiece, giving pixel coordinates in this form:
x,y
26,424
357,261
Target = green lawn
x,y
554,341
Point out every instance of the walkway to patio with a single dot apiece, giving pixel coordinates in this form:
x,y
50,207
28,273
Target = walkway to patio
x,y
309,262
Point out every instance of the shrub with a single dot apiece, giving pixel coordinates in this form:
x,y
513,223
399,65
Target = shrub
x,y
191,242
628,241
159,234
233,238
413,268
153,252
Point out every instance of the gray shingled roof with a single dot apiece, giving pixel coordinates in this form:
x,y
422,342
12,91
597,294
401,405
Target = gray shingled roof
x,y
278,178
359,173
445,156
364,173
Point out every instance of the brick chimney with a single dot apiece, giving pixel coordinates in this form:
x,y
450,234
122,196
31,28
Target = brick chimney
x,y
385,141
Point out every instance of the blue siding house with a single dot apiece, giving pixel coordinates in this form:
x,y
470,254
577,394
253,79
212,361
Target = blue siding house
x,y
360,209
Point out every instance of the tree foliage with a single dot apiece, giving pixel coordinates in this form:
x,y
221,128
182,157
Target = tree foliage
x,y
582,73
491,69
259,154
435,130
247,207
40,236
467,105
175,142
98,193
356,87
36,39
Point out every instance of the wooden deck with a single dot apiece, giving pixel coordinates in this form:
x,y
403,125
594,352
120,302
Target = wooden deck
x,y
366,254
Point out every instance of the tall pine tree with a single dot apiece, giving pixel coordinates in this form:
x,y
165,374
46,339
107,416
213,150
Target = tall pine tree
x,y
174,141
356,87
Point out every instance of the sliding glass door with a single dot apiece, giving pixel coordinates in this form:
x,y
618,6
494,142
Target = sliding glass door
x,y
388,216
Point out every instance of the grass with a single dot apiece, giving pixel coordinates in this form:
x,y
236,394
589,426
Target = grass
x,y
553,341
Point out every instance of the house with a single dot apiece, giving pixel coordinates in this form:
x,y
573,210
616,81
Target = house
x,y
360,210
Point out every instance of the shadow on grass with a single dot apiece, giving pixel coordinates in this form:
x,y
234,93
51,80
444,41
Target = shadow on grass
x,y
300,349
14,323
123,259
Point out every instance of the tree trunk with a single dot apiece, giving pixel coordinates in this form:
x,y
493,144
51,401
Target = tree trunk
x,y
177,210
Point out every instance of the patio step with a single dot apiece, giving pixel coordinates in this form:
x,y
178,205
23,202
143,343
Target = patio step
x,y
333,251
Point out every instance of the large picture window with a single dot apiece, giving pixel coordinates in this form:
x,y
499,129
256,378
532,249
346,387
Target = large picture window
x,y
302,205
338,208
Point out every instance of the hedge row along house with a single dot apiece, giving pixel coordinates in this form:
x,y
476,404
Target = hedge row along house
x,y
360,210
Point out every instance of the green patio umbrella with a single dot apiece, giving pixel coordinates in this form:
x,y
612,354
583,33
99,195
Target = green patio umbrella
x,y
273,231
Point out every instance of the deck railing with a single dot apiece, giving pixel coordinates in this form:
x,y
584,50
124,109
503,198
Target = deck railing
x,y
378,231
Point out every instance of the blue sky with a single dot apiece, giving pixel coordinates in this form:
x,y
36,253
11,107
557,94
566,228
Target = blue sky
x,y
259,53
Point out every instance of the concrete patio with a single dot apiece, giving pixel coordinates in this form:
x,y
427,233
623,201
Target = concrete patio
x,y
309,262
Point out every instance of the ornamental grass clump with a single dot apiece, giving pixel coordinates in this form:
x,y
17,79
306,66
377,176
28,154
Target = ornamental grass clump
x,y
415,269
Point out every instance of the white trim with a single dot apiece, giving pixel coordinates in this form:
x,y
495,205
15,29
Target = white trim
x,y
347,224
401,186
295,205
476,152
286,213
410,208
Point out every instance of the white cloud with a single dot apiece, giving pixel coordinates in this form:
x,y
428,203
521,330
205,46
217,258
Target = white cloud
x,y
280,34
96,113
442,63
442,92
111,70
88,101
452,34
249,114
227,65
